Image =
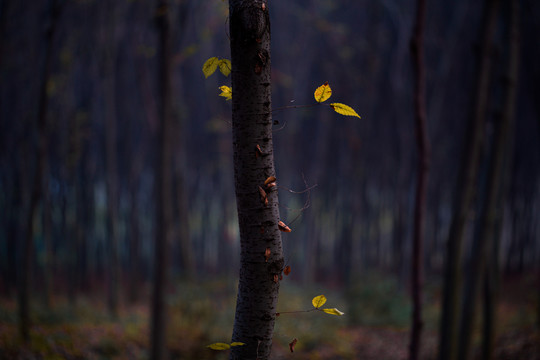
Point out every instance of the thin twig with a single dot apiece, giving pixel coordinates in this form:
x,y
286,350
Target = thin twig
x,y
308,199
295,107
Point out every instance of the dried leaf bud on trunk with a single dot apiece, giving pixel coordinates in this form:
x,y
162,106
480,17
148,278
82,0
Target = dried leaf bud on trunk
x,y
283,227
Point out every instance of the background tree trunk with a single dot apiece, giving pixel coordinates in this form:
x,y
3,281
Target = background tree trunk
x,y
111,153
466,185
163,182
37,190
422,141
492,201
252,129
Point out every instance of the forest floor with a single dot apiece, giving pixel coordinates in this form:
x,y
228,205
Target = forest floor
x,y
375,325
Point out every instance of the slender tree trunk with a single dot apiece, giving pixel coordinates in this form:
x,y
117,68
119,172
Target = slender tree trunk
x,y
491,207
163,187
417,47
112,208
134,235
37,190
111,162
465,192
182,228
183,233
47,229
253,163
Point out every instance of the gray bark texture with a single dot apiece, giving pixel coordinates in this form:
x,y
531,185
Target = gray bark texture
x,y
253,163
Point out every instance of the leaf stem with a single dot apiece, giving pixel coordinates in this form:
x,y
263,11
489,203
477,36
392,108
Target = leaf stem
x,y
295,107
296,311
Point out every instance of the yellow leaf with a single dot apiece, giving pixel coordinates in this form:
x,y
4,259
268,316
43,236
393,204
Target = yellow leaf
x,y
237,344
225,66
318,301
323,92
210,66
219,346
344,110
226,92
333,311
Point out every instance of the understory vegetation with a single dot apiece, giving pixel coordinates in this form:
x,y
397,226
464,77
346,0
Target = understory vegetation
x,y
375,325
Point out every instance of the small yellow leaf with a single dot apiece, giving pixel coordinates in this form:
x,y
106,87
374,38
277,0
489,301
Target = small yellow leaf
x,y
210,66
323,92
318,301
225,66
226,92
344,110
237,344
333,311
219,346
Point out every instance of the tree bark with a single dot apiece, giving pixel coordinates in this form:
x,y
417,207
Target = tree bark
x,y
37,189
163,225
465,192
252,130
417,47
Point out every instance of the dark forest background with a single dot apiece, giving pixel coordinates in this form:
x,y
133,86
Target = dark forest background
x,y
93,230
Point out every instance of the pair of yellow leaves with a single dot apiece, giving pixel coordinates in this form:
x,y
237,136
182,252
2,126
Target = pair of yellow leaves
x,y
323,93
319,301
224,346
210,66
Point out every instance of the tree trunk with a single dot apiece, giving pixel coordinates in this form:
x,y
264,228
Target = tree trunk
x,y
182,226
163,225
37,190
134,233
46,218
417,47
253,163
491,207
465,192
111,163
